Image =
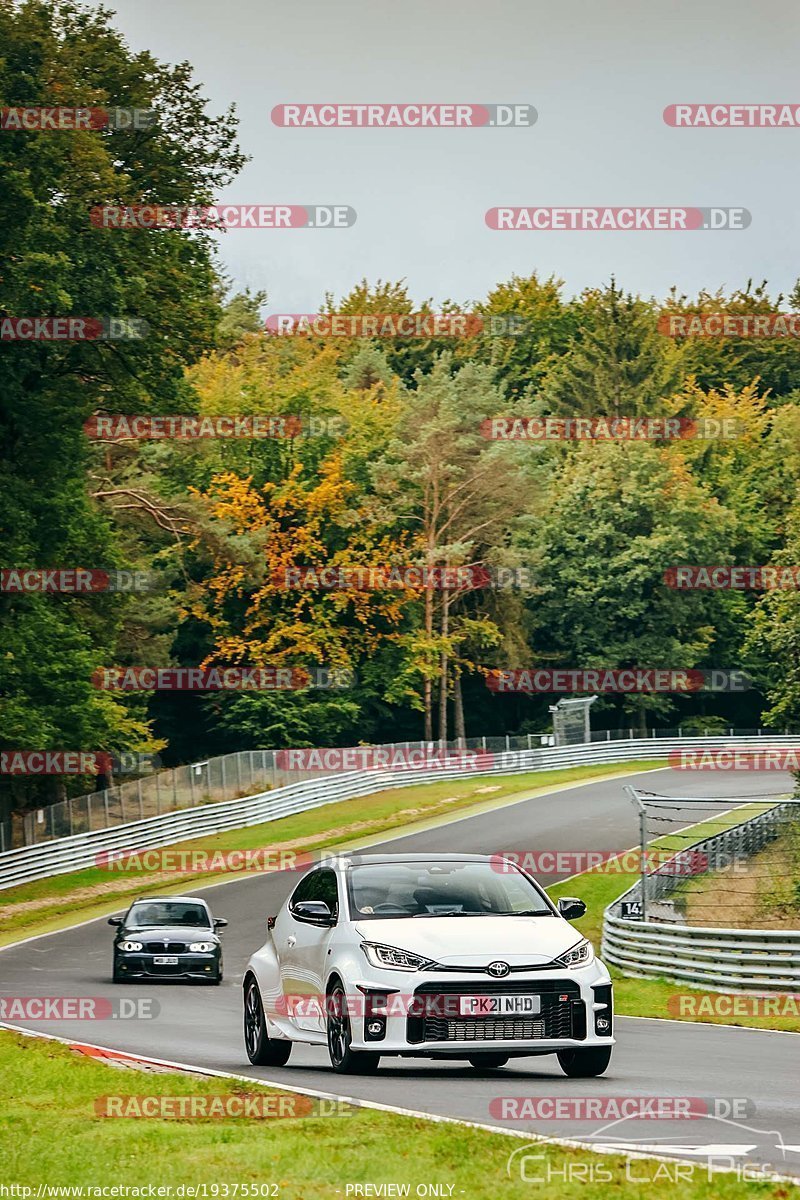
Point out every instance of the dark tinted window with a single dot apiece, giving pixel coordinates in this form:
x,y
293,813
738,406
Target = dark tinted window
x,y
442,888
319,885
170,912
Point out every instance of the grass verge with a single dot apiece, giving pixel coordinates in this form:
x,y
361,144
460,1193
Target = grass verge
x,y
764,893
50,1134
61,900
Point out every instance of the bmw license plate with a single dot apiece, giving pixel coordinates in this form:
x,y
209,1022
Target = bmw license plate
x,y
499,1006
165,960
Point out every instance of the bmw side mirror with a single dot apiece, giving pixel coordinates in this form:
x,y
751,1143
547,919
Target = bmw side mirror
x,y
220,922
316,912
115,920
571,908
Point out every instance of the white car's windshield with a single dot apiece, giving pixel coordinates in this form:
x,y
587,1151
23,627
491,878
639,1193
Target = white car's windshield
x,y
152,912
442,889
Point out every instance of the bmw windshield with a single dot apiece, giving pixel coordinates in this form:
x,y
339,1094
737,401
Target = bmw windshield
x,y
443,889
149,914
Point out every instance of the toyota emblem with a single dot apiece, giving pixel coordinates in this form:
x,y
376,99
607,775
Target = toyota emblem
x,y
498,969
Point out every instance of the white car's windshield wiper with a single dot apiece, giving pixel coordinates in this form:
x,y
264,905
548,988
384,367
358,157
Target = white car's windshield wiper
x,y
453,912
458,912
529,912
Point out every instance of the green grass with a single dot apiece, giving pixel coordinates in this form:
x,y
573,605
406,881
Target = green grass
x,y
51,1134
61,900
763,893
650,997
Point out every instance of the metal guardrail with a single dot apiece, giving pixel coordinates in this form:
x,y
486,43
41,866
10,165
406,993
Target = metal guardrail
x,y
707,956
62,855
229,776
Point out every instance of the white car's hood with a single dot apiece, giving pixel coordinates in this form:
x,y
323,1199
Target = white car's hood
x,y
475,941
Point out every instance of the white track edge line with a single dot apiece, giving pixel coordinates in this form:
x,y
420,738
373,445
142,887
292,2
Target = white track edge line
x,y
375,1105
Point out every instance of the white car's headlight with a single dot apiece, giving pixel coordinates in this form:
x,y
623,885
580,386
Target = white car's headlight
x,y
130,945
578,956
201,947
394,959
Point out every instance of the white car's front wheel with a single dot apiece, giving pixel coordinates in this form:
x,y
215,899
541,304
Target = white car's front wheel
x,y
488,1062
343,1059
584,1064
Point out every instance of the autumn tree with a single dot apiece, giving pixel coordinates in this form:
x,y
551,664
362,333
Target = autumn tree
x,y
459,492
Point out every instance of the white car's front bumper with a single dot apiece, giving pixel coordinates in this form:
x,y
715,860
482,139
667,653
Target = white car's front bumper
x,y
419,1012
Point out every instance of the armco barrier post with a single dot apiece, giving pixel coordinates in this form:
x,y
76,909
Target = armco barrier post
x,y
643,853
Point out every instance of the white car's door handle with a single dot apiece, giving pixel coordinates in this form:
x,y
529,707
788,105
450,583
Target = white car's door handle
x,y
291,941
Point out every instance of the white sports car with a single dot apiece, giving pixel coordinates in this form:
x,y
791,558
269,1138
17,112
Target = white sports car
x,y
456,956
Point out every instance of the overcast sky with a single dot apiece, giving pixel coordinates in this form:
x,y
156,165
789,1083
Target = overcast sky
x,y
599,73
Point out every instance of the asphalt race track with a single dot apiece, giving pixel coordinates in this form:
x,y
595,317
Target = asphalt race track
x,y
202,1025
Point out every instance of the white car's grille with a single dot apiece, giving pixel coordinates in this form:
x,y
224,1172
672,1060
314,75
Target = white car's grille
x,y
502,1029
563,1013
